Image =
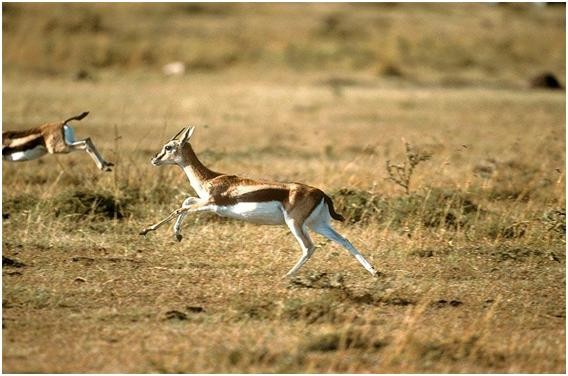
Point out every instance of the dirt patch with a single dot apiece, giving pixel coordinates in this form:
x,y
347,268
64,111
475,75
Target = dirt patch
x,y
343,295
324,309
443,303
87,261
517,253
318,280
255,309
175,315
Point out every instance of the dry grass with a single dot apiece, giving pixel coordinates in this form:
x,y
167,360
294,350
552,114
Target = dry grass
x,y
473,257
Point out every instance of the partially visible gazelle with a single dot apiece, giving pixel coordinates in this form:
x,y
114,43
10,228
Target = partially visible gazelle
x,y
296,205
53,138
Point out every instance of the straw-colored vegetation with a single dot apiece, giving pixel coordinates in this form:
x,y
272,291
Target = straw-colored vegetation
x,y
471,251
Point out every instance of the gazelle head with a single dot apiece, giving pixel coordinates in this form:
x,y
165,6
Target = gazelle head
x,y
171,152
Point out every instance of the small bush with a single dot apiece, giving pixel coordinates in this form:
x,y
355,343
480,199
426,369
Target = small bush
x,y
318,281
347,339
358,205
401,174
19,203
435,208
555,220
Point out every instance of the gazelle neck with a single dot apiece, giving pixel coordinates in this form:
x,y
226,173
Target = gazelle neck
x,y
196,171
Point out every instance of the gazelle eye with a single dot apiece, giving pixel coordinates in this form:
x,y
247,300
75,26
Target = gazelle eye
x,y
168,148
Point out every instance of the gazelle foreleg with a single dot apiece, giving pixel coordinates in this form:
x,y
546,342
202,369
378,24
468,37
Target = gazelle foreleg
x,y
193,206
155,226
88,146
177,226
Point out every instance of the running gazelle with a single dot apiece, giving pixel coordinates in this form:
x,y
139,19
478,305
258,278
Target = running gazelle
x,y
296,205
52,138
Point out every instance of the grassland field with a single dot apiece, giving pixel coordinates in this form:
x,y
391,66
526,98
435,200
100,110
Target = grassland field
x,y
472,257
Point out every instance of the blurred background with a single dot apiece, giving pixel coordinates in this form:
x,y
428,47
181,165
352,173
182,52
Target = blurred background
x,y
491,44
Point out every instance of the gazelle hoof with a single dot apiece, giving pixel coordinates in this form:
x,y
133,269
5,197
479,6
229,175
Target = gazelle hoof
x,y
107,166
376,274
179,237
143,232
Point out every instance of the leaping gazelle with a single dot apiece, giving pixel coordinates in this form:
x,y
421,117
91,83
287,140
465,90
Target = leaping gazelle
x,y
53,138
296,205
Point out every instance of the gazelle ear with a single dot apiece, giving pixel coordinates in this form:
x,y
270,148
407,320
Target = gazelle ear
x,y
186,135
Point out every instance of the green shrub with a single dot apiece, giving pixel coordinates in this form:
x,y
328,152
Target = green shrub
x,y
434,208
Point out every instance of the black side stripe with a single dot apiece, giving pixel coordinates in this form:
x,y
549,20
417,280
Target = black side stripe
x,y
260,195
27,146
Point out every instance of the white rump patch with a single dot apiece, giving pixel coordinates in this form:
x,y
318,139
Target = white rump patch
x,y
320,215
26,155
262,213
69,134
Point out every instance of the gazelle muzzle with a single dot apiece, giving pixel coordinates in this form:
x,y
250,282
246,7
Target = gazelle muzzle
x,y
156,158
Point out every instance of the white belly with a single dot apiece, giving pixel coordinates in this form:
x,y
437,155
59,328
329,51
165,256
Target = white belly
x,y
25,155
264,213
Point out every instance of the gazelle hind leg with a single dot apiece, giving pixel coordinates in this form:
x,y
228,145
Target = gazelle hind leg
x,y
88,146
306,244
325,229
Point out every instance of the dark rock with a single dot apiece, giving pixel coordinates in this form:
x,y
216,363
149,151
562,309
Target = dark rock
x,y
546,80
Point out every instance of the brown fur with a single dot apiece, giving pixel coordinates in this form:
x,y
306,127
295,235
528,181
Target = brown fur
x,y
299,200
54,138
51,135
203,173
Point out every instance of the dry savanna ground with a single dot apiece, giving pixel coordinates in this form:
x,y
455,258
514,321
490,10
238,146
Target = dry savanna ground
x,y
472,257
